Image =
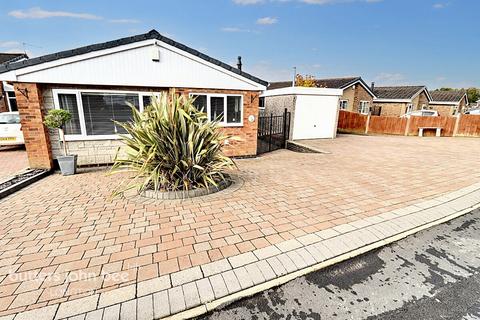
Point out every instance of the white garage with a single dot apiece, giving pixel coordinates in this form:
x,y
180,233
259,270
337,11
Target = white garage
x,y
314,111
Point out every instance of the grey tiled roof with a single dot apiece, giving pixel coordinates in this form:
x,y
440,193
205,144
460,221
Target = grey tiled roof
x,y
447,96
153,34
11,57
398,92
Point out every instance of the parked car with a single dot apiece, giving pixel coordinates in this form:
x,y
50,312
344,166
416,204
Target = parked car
x,y
10,129
473,111
421,113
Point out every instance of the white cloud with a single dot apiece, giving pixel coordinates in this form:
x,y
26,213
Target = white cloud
x,y
247,2
9,44
124,21
234,29
267,20
440,5
38,13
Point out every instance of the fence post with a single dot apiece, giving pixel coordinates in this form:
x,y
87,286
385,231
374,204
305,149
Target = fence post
x,y
285,128
457,125
407,127
367,125
271,133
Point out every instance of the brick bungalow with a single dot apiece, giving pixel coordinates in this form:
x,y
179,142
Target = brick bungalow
x,y
449,103
95,82
8,101
357,95
398,100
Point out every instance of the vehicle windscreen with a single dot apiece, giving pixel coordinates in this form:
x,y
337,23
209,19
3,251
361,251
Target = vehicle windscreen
x,y
9,118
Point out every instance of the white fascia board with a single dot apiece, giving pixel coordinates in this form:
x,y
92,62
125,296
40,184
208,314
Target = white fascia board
x,y
13,75
359,81
302,91
446,103
429,97
393,100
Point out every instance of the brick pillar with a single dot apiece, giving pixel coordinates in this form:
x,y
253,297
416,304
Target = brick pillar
x,y
32,112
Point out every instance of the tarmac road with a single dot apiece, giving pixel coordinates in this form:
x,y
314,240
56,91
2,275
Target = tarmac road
x,y
433,274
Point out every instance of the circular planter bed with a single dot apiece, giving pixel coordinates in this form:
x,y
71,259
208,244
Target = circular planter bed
x,y
173,195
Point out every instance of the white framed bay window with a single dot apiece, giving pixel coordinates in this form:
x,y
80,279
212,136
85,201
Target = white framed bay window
x,y
94,111
227,108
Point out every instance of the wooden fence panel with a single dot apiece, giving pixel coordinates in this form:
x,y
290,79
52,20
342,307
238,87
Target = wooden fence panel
x,y
387,125
351,122
469,126
447,123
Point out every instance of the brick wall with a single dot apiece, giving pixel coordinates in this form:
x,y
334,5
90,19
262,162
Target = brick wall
x,y
361,95
349,95
32,112
420,100
93,152
391,109
443,110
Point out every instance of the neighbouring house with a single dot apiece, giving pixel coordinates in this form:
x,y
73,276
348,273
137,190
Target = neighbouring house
x,y
95,83
313,111
357,96
8,101
449,103
399,100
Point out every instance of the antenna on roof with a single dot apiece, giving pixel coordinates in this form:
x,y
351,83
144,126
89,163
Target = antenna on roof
x,y
24,44
294,76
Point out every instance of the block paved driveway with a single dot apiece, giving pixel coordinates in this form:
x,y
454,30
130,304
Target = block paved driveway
x,y
12,160
64,237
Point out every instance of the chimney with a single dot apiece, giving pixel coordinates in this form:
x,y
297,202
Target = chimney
x,y
239,63
373,86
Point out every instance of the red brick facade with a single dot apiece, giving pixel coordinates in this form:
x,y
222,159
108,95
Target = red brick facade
x,y
3,99
32,112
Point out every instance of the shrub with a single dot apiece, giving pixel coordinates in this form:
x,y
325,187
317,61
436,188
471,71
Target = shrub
x,y
56,119
171,146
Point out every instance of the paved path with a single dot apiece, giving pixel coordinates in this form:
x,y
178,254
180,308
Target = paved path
x,y
12,160
64,240
431,275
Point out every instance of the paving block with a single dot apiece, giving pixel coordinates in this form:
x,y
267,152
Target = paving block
x,y
266,252
243,277
176,300
309,239
344,228
218,285
255,273
187,275
316,254
277,266
190,293
327,233
112,312
297,259
153,285
306,256
161,305
288,245
115,296
324,250
45,313
205,290
145,308
79,317
94,315
76,307
128,310
287,263
266,270
215,267
242,259
231,281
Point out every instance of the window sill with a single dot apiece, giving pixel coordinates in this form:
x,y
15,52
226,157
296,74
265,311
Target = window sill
x,y
90,138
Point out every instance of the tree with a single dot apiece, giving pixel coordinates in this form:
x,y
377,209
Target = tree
x,y
56,119
473,94
307,81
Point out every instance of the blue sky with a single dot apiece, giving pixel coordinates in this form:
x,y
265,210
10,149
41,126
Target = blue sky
x,y
432,42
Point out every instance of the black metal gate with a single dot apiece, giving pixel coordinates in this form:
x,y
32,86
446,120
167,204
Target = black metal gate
x,y
272,132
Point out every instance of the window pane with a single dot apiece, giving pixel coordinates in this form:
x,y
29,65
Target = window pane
x,y
234,109
11,94
217,106
200,102
13,104
101,109
69,102
147,100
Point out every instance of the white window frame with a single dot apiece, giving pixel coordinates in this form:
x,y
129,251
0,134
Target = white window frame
x,y
223,123
341,102
81,116
364,104
409,108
